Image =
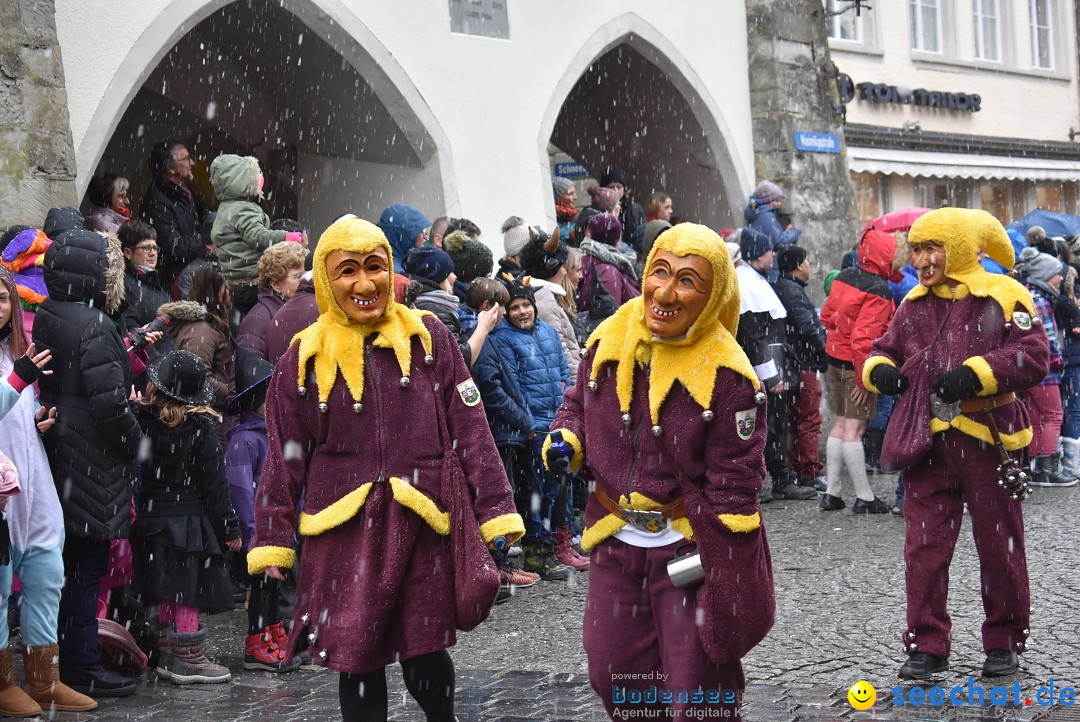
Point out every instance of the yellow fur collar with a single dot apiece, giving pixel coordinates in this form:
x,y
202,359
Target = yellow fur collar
x,y
625,340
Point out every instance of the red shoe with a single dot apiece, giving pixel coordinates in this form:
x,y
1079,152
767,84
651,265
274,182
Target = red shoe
x,y
263,652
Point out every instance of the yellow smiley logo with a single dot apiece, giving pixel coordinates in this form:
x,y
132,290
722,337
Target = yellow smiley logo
x,y
862,695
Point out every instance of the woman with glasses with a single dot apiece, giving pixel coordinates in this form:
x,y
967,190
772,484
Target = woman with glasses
x,y
143,292
110,204
281,267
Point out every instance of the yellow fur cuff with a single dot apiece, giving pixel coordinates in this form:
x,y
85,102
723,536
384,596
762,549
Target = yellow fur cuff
x,y
1012,442
410,497
575,443
336,514
508,525
259,558
872,362
986,375
741,522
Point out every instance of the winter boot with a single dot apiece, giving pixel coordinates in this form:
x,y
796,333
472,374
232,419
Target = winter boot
x,y
1070,451
264,651
872,441
14,702
187,662
43,683
1046,473
565,552
540,559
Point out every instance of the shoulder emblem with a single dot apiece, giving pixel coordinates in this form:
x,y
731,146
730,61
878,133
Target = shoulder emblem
x,y
745,422
1022,320
468,392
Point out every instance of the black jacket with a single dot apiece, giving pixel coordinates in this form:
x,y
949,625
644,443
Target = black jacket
x,y
93,445
805,334
184,473
177,217
143,295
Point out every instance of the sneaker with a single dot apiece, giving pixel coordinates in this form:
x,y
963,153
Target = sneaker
x,y
817,483
791,490
514,577
877,506
514,550
898,508
831,503
262,652
540,559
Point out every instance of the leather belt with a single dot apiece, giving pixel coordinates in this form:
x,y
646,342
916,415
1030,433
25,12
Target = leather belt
x,y
985,403
649,521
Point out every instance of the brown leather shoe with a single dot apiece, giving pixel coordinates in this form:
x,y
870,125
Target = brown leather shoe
x,y
43,682
13,701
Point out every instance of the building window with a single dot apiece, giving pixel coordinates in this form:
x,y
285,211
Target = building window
x,y
844,24
926,25
987,20
1042,34
872,197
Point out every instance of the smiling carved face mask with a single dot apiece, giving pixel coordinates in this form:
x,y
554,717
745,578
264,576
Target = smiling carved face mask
x,y
360,283
675,292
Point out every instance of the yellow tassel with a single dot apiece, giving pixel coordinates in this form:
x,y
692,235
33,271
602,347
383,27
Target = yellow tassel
x,y
741,522
411,498
336,514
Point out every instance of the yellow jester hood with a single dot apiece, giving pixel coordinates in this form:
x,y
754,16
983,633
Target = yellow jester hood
x,y
964,232
693,360
335,341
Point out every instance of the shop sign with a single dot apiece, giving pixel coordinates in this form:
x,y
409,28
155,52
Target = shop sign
x,y
480,17
881,93
571,170
817,142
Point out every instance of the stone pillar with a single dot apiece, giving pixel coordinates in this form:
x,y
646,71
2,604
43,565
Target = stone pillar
x,y
790,90
37,157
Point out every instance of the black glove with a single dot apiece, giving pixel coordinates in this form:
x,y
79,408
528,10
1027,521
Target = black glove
x,y
888,379
232,528
26,370
558,462
957,384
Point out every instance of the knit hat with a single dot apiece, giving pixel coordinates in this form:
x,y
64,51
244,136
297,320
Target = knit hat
x,y
604,199
582,223
515,235
472,259
613,174
561,186
790,257
537,261
753,244
733,250
1040,266
605,228
1035,234
519,288
429,262
652,230
829,278
767,192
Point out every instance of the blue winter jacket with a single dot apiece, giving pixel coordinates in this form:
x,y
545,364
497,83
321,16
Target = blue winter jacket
x,y
536,358
763,219
508,415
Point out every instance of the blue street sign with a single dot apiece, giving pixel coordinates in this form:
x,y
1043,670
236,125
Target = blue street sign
x,y
571,170
817,142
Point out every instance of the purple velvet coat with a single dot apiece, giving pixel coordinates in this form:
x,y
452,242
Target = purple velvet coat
x,y
724,471
377,586
930,335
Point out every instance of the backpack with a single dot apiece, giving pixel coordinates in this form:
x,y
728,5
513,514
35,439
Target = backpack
x,y
601,305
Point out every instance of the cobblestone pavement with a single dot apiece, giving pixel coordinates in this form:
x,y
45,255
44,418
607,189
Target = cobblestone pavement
x,y
840,594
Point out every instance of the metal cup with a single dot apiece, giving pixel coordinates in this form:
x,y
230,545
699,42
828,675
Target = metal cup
x,y
686,570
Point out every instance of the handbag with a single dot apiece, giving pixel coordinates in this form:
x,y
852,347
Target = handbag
x,y
601,306
475,576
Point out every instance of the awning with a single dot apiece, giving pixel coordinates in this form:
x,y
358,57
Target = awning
x,y
926,164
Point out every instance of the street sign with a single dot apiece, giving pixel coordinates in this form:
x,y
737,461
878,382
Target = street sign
x,y
571,170
817,142
480,17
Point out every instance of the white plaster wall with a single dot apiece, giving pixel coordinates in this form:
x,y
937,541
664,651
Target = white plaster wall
x,y
489,98
1017,100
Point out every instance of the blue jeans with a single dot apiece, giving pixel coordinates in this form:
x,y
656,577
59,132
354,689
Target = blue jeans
x,y
41,571
1070,402
85,563
543,490
883,412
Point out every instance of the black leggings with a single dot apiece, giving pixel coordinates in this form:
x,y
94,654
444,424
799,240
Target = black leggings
x,y
429,678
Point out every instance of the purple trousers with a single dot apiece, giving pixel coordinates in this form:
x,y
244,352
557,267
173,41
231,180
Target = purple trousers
x,y
642,640
958,469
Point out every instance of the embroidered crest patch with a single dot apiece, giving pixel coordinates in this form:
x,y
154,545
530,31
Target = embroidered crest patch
x,y
1022,320
745,421
468,392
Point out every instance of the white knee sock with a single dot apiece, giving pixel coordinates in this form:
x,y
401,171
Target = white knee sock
x,y
855,460
834,465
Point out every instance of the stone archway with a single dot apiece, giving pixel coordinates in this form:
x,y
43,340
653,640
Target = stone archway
x,y
335,122
630,98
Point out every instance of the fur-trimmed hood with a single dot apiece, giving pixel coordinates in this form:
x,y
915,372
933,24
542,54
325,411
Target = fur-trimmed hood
x,y
84,266
235,178
184,311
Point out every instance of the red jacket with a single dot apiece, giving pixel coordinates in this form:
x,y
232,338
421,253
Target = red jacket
x,y
860,305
